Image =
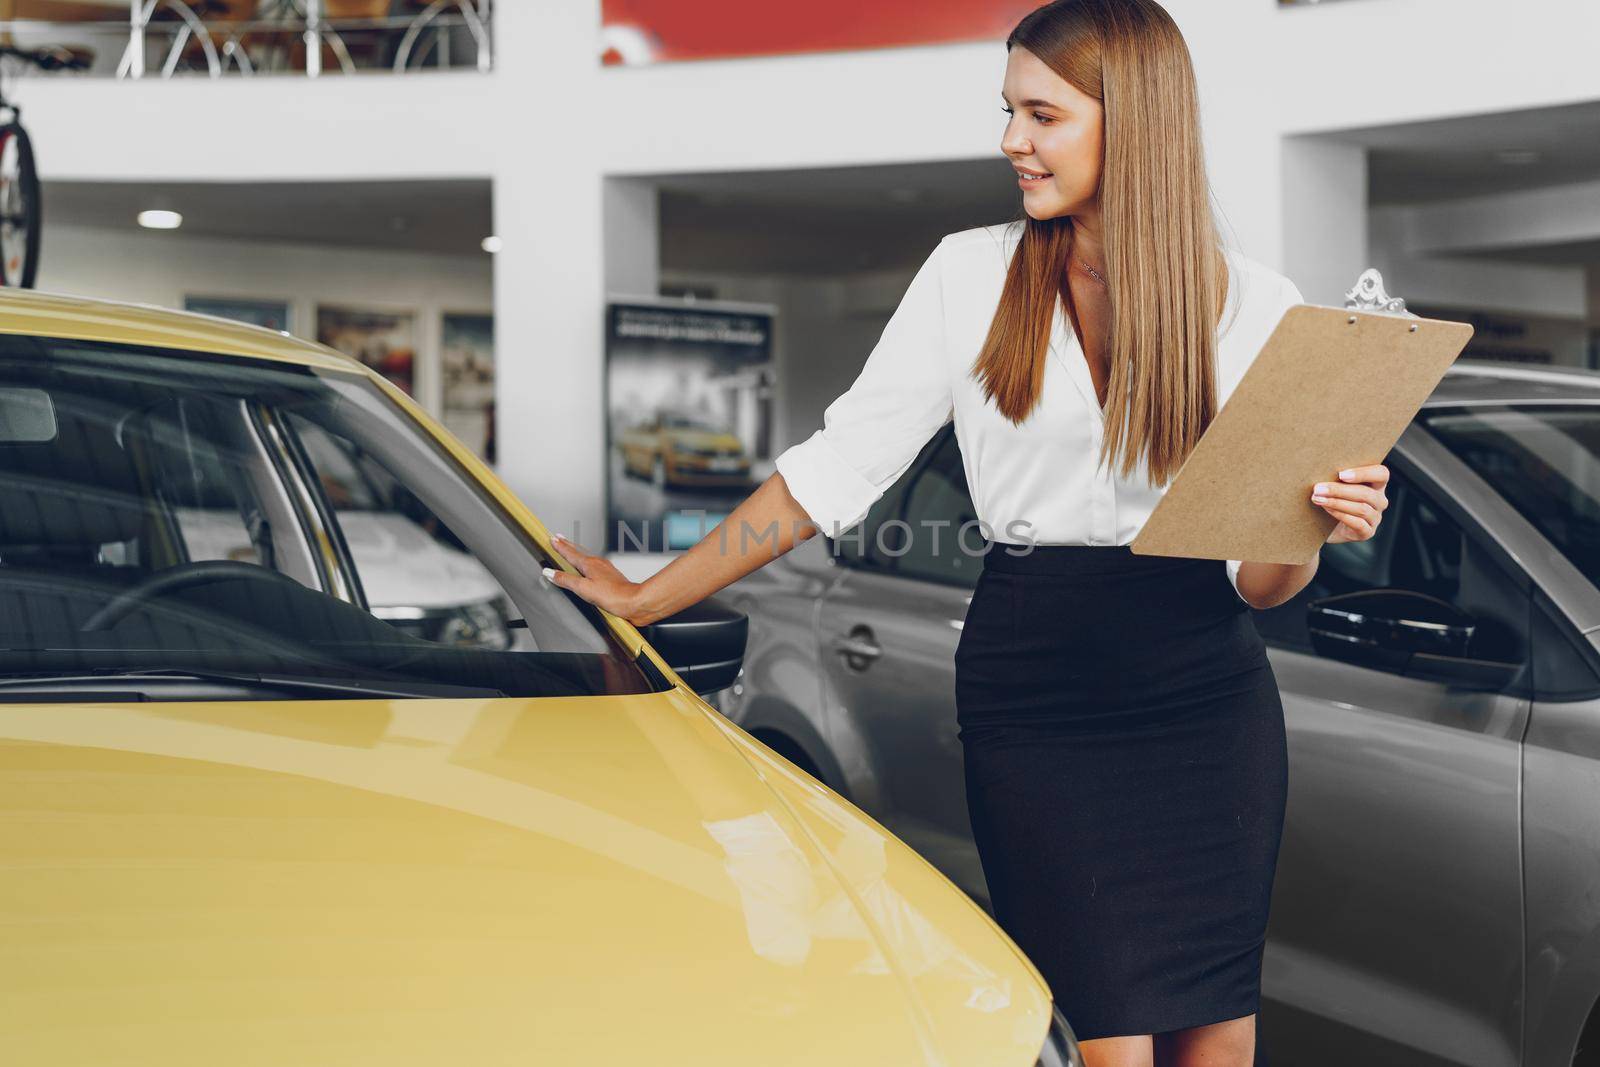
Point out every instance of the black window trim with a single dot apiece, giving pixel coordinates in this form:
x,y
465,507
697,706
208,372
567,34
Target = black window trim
x,y
305,472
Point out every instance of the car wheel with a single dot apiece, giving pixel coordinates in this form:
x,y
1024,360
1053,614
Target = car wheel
x,y
1587,1051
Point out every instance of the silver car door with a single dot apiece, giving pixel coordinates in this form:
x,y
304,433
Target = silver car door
x,y
1534,443
888,633
1395,930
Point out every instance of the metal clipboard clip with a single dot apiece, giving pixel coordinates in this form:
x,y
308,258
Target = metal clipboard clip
x,y
1369,296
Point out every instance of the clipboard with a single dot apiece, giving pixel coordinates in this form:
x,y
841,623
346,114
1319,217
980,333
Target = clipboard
x,y
1332,388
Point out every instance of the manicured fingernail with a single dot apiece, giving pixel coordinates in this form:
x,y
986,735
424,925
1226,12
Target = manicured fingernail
x,y
1347,474
558,537
1318,489
1320,499
548,573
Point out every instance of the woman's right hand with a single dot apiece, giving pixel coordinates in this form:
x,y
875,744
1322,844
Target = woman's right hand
x,y
765,525
598,581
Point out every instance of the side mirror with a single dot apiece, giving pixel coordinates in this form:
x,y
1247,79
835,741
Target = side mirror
x,y
1404,632
704,643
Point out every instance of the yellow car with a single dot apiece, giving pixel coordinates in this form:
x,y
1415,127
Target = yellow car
x,y
681,450
246,820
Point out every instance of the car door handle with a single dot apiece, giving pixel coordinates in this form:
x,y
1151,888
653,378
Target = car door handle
x,y
859,649
855,646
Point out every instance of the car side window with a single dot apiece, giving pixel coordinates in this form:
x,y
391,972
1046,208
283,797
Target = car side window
x,y
877,541
859,547
1418,548
418,576
937,505
1349,567
213,481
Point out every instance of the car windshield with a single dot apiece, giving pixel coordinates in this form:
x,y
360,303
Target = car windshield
x,y
689,422
184,524
1545,461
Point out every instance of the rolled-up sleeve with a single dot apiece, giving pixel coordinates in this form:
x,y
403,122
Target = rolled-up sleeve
x,y
1233,576
1288,296
873,430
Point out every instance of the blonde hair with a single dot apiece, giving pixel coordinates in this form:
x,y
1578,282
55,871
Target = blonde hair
x,y
1168,274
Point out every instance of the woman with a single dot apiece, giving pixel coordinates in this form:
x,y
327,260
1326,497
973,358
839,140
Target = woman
x,y
1121,726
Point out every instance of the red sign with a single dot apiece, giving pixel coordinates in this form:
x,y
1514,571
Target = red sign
x,y
657,31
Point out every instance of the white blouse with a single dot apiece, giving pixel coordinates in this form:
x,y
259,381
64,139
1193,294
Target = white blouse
x,y
1031,483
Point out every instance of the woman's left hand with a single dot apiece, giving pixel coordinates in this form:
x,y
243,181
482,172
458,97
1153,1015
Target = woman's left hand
x,y
1357,500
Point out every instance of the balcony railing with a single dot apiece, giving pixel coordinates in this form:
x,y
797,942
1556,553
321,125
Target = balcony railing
x,y
245,38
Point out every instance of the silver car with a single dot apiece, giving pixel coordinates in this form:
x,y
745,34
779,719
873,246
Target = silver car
x,y
1437,899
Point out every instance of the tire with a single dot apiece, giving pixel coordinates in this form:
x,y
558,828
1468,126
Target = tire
x,y
19,208
1587,1051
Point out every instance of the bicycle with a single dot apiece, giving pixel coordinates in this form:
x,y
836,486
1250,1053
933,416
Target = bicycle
x,y
19,178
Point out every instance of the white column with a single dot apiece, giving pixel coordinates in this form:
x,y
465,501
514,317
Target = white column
x,y
549,282
1325,218
632,236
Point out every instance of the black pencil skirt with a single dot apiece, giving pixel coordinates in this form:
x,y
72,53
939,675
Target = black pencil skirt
x,y
1126,773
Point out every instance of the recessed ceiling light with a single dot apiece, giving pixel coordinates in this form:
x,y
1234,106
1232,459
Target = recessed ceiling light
x,y
160,220
491,245
1518,157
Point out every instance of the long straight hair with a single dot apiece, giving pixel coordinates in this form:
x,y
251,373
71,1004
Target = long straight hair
x,y
1168,274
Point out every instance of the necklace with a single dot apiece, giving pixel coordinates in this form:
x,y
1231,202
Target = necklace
x,y
1094,272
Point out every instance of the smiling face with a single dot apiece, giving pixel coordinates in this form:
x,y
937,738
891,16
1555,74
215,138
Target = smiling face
x,y
1054,128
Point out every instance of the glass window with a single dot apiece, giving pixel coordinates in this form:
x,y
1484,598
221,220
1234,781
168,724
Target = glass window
x,y
1543,459
414,572
860,547
879,539
210,473
273,529
1418,547
936,507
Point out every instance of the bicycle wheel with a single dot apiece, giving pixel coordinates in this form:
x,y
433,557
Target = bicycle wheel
x,y
19,209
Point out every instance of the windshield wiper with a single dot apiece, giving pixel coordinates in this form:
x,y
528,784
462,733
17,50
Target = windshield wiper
x,y
57,686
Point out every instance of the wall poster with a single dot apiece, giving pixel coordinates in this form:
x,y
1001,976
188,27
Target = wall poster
x,y
467,352
272,314
383,340
689,414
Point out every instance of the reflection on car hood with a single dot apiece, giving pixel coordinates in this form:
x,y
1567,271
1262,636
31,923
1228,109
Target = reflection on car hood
x,y
583,880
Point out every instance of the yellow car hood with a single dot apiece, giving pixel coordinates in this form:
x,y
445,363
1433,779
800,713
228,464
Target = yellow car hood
x,y
557,881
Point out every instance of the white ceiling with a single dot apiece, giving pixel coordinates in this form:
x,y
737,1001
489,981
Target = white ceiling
x,y
818,221
826,220
800,222
1451,158
436,216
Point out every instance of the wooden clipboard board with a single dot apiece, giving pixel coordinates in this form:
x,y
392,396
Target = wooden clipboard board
x,y
1332,388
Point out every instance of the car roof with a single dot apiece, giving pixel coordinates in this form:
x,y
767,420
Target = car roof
x,y
1471,381
41,314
